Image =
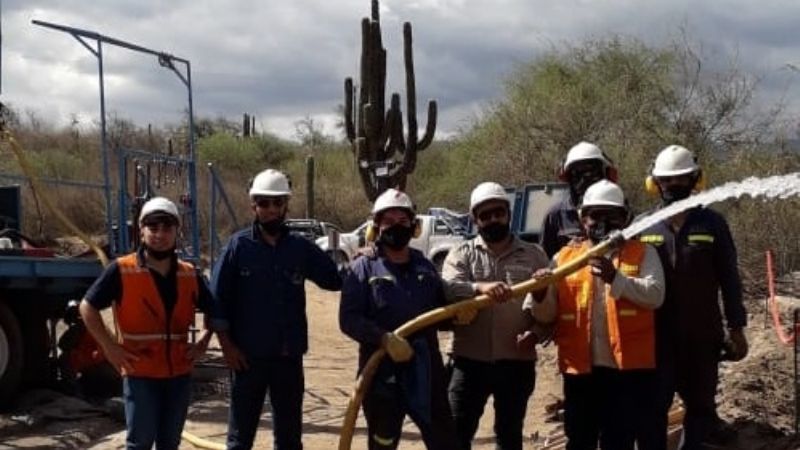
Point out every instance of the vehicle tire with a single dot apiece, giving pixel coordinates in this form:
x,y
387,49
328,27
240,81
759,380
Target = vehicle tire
x,y
11,355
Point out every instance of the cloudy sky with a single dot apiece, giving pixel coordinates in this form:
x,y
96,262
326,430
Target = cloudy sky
x,y
283,60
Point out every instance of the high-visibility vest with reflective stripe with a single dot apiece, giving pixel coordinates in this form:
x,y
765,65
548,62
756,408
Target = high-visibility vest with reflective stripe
x,y
630,327
143,328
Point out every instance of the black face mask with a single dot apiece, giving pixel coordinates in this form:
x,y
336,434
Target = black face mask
x,y
271,227
494,232
396,237
159,255
580,181
675,193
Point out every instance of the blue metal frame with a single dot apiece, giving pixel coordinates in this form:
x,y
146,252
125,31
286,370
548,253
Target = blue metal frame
x,y
216,187
168,61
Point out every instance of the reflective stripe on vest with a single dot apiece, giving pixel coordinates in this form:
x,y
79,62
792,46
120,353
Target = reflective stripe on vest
x,y
155,337
144,328
630,327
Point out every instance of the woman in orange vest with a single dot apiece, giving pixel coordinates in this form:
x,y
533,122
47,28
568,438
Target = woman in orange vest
x,y
153,295
604,329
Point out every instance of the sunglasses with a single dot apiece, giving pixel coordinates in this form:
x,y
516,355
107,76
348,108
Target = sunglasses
x,y
499,212
266,202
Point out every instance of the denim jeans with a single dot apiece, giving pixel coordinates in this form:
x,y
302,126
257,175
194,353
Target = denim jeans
x,y
509,382
155,411
283,378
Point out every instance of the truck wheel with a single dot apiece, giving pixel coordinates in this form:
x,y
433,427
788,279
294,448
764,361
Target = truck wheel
x,y
11,355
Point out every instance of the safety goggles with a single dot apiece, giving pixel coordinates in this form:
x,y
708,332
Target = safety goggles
x,y
498,212
266,202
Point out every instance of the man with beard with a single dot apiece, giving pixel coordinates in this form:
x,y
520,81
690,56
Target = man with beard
x,y
494,353
699,259
385,289
584,165
605,329
154,295
259,286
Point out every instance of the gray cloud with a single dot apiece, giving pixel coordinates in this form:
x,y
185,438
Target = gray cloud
x,y
285,60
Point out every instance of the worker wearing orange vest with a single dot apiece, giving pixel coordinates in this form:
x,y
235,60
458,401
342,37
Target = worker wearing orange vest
x,y
154,295
603,316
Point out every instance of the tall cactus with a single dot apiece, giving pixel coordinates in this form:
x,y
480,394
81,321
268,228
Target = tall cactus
x,y
384,155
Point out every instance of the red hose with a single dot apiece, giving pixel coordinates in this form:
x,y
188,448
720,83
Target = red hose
x,y
783,336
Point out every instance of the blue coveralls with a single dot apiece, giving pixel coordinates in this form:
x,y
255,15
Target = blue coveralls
x,y
377,297
699,262
261,301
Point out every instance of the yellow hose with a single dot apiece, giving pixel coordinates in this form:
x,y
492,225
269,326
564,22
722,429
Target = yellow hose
x,y
36,186
447,312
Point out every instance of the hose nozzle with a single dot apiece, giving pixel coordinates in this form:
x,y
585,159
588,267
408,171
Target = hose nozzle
x,y
615,238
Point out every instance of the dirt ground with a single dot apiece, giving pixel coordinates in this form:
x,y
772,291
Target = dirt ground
x,y
757,395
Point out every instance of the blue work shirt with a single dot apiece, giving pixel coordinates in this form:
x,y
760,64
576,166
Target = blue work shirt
x,y
378,296
259,291
561,224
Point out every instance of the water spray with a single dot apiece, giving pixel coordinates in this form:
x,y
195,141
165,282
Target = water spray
x,y
774,187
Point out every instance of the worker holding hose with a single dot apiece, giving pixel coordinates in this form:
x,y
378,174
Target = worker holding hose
x,y
605,329
154,295
699,259
493,355
384,290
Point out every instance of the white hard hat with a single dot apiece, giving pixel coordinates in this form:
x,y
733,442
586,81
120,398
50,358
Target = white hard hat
x,y
583,151
270,183
603,193
159,205
674,161
485,192
392,198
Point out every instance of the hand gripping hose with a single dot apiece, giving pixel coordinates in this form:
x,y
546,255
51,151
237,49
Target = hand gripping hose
x,y
439,314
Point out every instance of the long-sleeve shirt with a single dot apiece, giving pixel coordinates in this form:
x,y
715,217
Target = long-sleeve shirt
x,y
492,335
700,263
378,296
561,224
259,291
645,290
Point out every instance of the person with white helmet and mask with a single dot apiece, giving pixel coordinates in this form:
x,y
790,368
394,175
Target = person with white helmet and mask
x,y
154,295
584,165
605,329
699,259
385,289
259,286
494,354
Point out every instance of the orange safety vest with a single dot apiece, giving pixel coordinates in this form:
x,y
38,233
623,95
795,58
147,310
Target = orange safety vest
x,y
631,328
143,328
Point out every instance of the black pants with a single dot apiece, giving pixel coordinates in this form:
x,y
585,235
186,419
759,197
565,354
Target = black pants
x,y
509,382
691,370
283,378
385,408
604,405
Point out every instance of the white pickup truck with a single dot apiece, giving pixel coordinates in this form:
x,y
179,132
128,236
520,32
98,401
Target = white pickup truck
x,y
437,238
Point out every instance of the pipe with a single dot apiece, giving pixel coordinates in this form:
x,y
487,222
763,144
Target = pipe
x,y
784,337
439,314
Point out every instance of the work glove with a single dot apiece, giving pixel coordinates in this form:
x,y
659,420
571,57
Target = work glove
x,y
397,347
735,347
